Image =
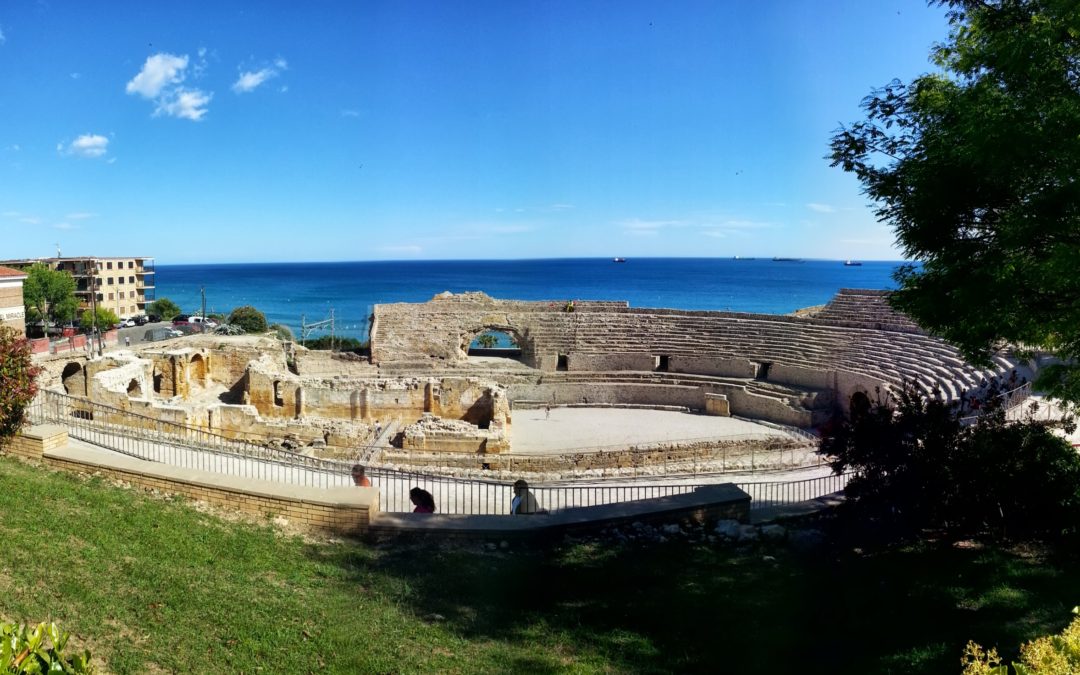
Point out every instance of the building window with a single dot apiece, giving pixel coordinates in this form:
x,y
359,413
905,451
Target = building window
x,y
110,296
100,297
131,264
121,279
131,280
108,265
110,283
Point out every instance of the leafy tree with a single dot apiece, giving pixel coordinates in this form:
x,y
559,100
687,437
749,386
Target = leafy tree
x,y
49,295
164,307
917,466
104,318
487,341
249,319
17,386
975,167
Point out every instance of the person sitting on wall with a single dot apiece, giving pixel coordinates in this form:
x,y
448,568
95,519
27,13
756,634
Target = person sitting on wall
x,y
422,500
359,476
524,502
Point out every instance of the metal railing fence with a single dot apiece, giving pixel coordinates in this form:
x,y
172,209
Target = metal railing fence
x,y
184,446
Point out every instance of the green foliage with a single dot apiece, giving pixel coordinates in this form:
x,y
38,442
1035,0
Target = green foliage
x,y
918,467
49,294
17,386
975,167
163,307
249,319
326,342
1049,655
487,341
103,318
282,332
39,650
229,329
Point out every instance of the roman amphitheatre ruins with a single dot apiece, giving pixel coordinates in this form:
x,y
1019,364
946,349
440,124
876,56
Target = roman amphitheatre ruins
x,y
599,390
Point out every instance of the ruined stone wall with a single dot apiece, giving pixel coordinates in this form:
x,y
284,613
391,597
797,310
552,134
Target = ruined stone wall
x,y
712,365
615,337
611,361
592,393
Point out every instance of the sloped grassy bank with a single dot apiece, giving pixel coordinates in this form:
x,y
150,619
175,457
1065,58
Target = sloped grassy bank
x,y
153,584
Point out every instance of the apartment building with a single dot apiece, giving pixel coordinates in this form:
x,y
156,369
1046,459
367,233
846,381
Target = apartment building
x,y
12,312
124,285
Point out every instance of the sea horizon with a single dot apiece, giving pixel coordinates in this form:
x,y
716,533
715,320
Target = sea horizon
x,y
299,293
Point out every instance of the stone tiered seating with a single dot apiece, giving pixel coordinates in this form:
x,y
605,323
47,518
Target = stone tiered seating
x,y
856,333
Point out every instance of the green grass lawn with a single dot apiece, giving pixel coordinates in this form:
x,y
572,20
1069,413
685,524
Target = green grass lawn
x,y
155,585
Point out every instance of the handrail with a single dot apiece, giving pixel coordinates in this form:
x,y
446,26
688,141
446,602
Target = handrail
x,y
185,446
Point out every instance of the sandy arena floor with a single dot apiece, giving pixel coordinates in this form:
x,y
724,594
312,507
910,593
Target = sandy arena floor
x,y
596,428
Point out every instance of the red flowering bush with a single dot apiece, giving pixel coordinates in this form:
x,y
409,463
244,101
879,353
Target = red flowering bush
x,y
17,387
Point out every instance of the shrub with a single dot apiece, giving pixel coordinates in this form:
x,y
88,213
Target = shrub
x,y
327,342
228,329
17,386
1048,655
917,466
283,332
163,307
39,650
248,318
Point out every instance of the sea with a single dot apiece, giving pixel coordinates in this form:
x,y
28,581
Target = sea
x,y
302,294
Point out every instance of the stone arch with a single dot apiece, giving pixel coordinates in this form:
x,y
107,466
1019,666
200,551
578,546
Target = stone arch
x,y
134,389
198,369
74,379
505,333
859,404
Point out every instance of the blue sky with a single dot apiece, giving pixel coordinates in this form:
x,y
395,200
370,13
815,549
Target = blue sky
x,y
278,131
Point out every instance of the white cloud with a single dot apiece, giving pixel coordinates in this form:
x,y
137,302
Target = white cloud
x,y
185,103
76,76
65,226
561,207
160,81
2,38
251,79
159,72
821,208
30,220
10,214
80,215
88,146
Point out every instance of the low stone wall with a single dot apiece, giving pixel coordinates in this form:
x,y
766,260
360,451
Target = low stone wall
x,y
706,505
736,453
341,510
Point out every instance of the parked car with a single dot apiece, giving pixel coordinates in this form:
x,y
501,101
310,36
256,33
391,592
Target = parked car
x,y
128,323
193,320
141,320
153,318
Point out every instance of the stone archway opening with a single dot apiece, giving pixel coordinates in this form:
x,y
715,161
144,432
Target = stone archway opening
x,y
198,370
495,342
74,379
134,389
